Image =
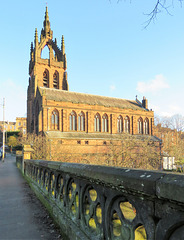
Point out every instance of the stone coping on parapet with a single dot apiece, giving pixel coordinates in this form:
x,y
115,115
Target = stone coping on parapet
x,y
104,136
154,184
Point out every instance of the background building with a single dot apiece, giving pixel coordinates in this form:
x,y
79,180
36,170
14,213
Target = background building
x,y
19,126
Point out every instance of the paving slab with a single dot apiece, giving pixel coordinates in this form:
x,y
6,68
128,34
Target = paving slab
x,y
22,216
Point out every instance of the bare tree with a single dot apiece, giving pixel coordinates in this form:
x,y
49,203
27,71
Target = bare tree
x,y
159,6
40,145
175,122
170,130
134,152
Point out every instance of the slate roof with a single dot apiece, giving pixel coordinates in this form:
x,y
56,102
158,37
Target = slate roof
x,y
74,97
103,136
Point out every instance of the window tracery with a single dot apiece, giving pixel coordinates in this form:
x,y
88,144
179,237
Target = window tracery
x,y
105,123
120,124
73,121
127,124
55,120
46,78
81,122
146,126
56,80
97,123
140,126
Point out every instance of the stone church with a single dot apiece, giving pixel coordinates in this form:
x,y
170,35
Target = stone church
x,y
77,123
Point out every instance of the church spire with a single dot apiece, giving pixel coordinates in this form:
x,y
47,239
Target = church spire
x,y
46,25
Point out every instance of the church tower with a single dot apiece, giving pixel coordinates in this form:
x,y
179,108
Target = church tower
x,y
49,72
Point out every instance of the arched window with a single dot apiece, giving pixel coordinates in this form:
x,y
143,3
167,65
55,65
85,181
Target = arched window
x,y
55,120
73,121
97,123
127,124
146,126
81,122
56,80
105,123
45,53
120,124
46,78
140,126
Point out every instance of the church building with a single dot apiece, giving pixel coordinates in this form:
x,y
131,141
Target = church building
x,y
78,123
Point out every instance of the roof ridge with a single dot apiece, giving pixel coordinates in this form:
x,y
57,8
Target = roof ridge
x,y
89,94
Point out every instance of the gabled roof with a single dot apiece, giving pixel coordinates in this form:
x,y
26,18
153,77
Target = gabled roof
x,y
74,97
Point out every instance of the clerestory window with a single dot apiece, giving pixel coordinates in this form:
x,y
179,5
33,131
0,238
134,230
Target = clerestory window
x,y
81,122
146,126
105,123
55,120
120,124
73,121
127,124
97,123
140,126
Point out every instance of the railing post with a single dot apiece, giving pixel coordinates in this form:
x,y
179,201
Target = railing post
x,y
27,150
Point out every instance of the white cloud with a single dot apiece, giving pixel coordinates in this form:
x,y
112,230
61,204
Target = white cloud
x,y
166,110
165,114
112,87
171,110
154,85
175,108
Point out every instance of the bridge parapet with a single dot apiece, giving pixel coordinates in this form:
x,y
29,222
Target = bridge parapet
x,y
97,202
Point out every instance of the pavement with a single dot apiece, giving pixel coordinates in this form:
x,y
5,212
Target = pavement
x,y
22,216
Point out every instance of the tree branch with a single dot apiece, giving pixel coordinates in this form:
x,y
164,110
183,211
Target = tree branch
x,y
160,5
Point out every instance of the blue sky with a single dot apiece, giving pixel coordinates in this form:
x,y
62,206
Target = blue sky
x,y
108,50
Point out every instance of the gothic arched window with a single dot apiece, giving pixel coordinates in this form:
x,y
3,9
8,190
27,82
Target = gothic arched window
x,y
81,122
146,126
55,120
127,124
97,123
56,80
140,126
105,123
120,124
46,78
73,121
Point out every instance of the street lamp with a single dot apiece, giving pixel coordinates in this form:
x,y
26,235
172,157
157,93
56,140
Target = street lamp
x,y
3,129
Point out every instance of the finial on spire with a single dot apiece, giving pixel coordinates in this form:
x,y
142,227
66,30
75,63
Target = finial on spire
x,y
46,13
46,24
36,37
63,45
31,50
